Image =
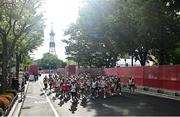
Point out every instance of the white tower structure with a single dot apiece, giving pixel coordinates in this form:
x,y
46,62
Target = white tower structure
x,y
52,49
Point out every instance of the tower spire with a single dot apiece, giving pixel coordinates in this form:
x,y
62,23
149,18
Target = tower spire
x,y
52,25
52,42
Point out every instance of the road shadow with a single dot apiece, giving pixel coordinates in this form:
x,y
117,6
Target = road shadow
x,y
73,106
134,105
84,103
61,102
41,94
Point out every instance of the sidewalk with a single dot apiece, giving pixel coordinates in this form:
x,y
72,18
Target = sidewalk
x,y
154,92
18,104
36,102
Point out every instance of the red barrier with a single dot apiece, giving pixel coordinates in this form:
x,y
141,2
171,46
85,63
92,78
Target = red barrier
x,y
125,72
110,71
71,69
165,76
33,70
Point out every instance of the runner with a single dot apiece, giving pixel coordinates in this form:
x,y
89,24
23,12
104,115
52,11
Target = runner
x,y
45,82
93,87
103,85
73,91
50,82
82,89
131,85
118,87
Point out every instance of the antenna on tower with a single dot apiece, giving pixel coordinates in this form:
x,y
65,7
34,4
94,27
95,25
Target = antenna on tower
x,y
52,26
52,42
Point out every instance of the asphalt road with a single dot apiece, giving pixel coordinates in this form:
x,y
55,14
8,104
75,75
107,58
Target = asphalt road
x,y
39,102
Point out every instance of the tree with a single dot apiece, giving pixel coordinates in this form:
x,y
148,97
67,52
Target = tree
x,y
139,28
50,61
18,19
160,26
26,62
31,42
89,44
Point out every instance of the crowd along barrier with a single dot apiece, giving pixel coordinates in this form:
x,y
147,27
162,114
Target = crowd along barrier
x,y
163,76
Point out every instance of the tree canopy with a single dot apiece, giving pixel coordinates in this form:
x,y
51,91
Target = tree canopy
x,y
50,61
21,31
106,30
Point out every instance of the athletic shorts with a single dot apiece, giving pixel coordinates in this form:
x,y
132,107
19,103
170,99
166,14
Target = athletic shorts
x,y
74,94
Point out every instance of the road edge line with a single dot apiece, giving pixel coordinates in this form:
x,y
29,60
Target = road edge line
x,y
52,107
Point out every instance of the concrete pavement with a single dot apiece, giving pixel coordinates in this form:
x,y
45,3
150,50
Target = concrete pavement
x,y
36,103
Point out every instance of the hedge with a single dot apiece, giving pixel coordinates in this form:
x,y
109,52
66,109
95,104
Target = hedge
x,y
4,103
10,94
11,91
1,111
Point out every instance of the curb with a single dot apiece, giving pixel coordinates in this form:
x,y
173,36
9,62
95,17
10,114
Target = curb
x,y
159,95
16,109
154,92
23,98
13,107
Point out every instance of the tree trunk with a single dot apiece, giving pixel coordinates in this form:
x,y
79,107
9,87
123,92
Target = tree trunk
x,y
132,61
4,71
17,65
162,58
143,62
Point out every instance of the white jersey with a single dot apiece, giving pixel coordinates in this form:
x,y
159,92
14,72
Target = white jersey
x,y
57,83
130,81
93,85
89,84
73,88
103,84
82,85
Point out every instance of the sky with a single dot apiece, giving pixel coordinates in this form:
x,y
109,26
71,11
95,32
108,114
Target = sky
x,y
61,13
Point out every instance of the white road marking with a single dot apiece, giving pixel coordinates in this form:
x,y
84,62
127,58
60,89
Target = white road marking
x,y
34,97
40,102
48,100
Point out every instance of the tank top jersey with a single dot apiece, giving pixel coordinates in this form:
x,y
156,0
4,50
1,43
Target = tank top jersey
x,y
103,84
65,87
82,85
94,85
73,88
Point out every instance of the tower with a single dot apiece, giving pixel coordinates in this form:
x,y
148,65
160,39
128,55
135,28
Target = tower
x,y
52,42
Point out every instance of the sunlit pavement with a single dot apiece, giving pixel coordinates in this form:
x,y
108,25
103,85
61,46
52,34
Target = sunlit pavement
x,y
43,103
35,103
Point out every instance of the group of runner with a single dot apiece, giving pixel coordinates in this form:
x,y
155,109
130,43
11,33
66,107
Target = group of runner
x,y
83,86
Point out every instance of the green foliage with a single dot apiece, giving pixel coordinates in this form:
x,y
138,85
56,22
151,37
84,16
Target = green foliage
x,y
50,61
71,62
26,61
10,94
21,31
89,43
176,56
107,29
13,91
1,111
